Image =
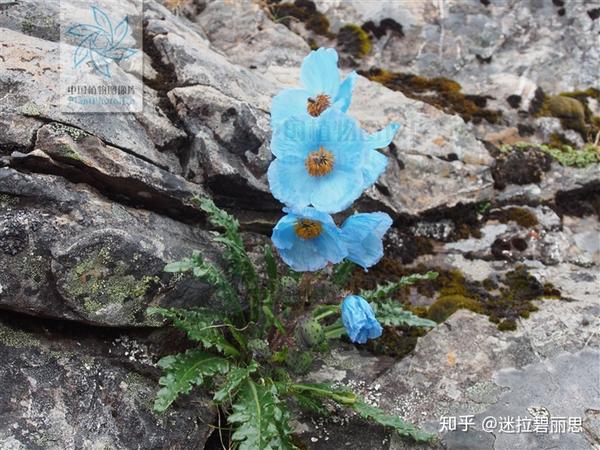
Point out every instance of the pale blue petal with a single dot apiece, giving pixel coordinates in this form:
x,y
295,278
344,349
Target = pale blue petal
x,y
303,257
367,252
289,102
359,320
319,73
373,166
344,96
289,181
341,135
362,234
284,235
338,190
330,245
311,213
374,329
295,136
384,137
384,222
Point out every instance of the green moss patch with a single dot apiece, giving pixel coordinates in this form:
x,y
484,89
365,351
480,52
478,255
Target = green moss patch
x,y
521,216
354,40
98,282
303,11
504,299
573,111
566,155
440,92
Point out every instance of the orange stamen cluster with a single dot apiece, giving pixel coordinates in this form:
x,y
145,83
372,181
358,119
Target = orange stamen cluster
x,y
317,105
308,229
319,163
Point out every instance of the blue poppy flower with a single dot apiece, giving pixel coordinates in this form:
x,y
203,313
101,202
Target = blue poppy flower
x,y
322,89
318,161
308,239
374,162
359,320
363,234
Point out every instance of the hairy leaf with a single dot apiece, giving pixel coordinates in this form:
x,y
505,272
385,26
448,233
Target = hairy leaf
x,y
234,378
184,371
237,259
273,319
342,396
260,418
271,264
343,272
381,292
210,274
393,315
311,403
403,428
201,325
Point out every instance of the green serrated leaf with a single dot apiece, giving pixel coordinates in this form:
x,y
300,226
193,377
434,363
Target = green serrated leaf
x,y
260,418
343,272
271,265
272,318
201,325
234,378
184,371
381,292
238,261
185,265
341,396
209,273
311,403
391,314
403,428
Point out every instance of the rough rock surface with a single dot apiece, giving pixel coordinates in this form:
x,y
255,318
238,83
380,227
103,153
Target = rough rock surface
x,y
63,388
92,206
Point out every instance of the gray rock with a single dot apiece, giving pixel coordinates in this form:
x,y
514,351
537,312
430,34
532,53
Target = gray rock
x,y
244,32
445,39
73,390
87,258
457,369
82,157
230,144
30,79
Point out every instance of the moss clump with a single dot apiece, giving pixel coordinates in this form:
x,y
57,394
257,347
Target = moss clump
x,y
396,342
7,200
573,111
525,165
521,216
304,11
30,109
440,92
75,133
354,40
570,111
16,338
503,299
65,151
453,296
507,325
445,306
566,155
100,282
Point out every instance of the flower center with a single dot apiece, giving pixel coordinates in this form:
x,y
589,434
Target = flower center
x,y
308,229
319,163
317,105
